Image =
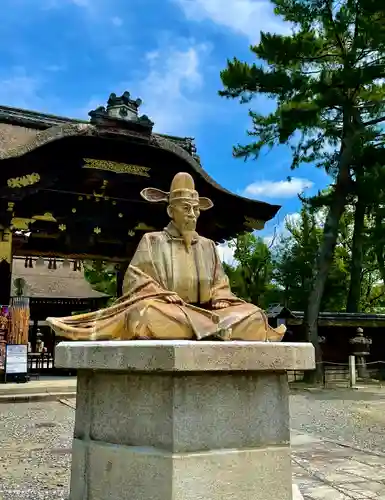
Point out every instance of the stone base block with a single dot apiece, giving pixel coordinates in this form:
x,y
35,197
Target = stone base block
x,y
182,420
183,413
102,471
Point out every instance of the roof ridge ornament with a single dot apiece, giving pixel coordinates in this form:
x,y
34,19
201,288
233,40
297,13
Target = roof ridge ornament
x,y
121,111
123,104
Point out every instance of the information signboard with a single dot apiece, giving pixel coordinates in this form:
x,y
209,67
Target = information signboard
x,y
16,359
4,325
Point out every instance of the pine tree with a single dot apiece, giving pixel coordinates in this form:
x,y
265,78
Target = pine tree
x,y
326,80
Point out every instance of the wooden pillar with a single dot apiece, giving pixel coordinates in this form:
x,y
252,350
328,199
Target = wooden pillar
x,y
120,272
5,265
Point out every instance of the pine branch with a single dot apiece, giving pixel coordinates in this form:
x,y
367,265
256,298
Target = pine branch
x,y
375,121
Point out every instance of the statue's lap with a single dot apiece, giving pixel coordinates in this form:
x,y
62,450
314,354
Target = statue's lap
x,y
159,319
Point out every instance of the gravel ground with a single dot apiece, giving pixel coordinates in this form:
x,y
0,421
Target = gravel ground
x,y
354,417
35,451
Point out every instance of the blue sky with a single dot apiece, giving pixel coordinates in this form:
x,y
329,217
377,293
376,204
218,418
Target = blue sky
x,y
66,56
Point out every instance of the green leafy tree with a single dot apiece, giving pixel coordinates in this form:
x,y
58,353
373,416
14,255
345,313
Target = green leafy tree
x,y
374,244
365,203
251,274
295,260
326,80
102,277
295,256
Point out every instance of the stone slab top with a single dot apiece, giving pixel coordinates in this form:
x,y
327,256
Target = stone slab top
x,y
184,356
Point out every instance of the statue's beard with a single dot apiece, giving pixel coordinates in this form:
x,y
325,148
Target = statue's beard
x,y
187,238
187,233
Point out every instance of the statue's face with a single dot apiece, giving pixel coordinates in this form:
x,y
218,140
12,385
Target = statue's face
x,y
184,215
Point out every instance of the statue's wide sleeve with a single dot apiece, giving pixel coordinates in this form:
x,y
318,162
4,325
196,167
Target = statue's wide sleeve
x,y
142,276
221,285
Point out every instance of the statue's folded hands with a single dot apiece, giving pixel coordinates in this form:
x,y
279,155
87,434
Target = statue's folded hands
x,y
175,286
220,304
173,299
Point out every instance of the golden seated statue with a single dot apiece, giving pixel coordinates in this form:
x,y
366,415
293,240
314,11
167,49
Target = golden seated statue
x,y
175,286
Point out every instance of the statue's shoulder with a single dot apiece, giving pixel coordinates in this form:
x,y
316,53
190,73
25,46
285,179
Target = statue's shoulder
x,y
155,236
205,241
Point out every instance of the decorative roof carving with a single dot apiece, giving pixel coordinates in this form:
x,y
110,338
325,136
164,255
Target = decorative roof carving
x,y
124,103
121,111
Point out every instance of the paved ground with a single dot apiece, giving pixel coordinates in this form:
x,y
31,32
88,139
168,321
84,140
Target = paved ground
x,y
325,470
44,384
35,449
328,471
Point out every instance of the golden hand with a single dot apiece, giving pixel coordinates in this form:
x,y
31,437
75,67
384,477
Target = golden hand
x,y
221,304
174,299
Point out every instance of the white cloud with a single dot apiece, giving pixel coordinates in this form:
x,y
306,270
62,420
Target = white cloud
x,y
226,254
280,230
278,189
247,17
270,240
294,219
170,87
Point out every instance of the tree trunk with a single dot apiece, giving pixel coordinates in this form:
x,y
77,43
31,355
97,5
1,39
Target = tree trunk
x,y
324,261
354,296
379,246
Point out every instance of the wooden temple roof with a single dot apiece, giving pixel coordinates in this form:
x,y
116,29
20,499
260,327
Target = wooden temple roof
x,y
73,186
35,121
59,283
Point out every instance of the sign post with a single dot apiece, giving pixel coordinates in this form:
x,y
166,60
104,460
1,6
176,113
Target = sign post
x,y
16,362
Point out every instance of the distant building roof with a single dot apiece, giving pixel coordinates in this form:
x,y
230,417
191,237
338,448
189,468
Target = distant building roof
x,y
331,318
332,315
60,283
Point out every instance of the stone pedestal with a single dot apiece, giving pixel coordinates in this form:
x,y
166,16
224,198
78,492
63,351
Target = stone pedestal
x,y
162,420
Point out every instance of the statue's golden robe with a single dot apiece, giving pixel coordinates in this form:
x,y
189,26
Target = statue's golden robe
x,y
163,267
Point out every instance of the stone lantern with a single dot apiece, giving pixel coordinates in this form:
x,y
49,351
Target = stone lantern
x,y
361,349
